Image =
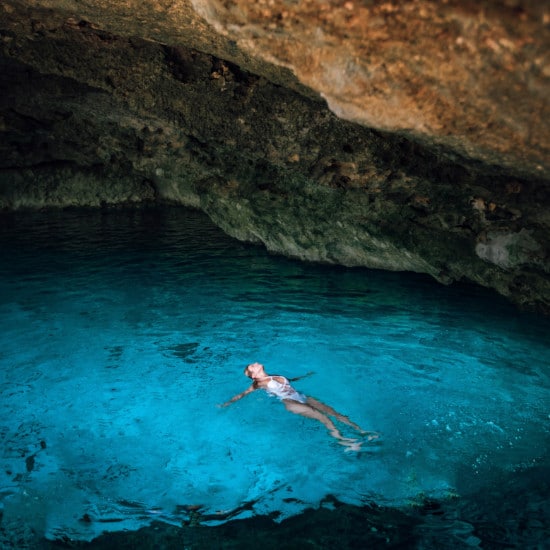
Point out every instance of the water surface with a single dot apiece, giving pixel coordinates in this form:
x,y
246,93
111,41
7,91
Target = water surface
x,y
123,330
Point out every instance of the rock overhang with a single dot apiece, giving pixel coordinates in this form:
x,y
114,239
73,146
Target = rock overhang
x,y
430,153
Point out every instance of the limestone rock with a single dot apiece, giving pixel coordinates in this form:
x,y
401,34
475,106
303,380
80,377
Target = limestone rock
x,y
394,135
470,75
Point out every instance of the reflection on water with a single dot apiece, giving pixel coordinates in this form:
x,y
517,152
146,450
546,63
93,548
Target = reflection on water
x,y
123,330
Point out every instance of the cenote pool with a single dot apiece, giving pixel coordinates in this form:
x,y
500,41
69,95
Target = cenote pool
x,y
123,330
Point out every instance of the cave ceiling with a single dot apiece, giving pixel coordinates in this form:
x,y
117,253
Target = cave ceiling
x,y
402,135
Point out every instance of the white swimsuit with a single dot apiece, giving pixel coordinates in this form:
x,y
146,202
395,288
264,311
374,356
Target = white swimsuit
x,y
284,390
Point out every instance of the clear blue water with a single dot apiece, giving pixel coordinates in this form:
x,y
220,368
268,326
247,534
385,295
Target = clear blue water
x,y
123,330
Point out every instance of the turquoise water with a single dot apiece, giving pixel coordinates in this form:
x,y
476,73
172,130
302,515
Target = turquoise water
x,y
122,331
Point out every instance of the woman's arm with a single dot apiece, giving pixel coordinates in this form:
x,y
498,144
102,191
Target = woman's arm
x,y
239,396
300,377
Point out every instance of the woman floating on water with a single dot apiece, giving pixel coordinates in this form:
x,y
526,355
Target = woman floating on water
x,y
298,403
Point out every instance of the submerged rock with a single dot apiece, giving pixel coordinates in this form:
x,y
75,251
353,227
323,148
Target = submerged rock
x,y
487,519
395,135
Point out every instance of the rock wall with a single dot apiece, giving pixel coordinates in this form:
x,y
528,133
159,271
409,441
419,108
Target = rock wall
x,y
394,135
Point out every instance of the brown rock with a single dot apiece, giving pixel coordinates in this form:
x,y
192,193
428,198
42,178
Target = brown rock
x,y
432,155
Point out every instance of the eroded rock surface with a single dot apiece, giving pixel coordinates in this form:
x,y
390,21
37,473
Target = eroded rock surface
x,y
429,154
468,74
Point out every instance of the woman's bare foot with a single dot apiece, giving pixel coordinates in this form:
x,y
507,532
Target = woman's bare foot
x,y
351,445
371,436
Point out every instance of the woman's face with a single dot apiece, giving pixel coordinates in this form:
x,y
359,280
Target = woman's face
x,y
253,370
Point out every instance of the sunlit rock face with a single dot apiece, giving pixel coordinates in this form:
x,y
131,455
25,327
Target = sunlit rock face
x,y
467,74
394,135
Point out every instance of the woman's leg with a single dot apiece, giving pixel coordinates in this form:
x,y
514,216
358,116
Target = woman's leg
x,y
308,411
320,406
